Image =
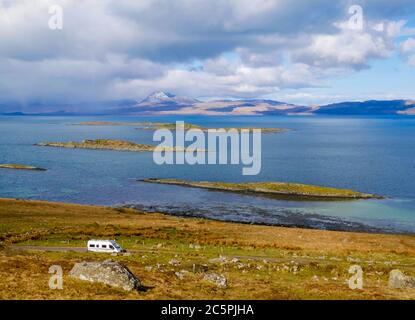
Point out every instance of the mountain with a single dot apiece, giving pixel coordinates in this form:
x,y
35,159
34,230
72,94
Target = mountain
x,y
158,98
371,107
64,109
164,103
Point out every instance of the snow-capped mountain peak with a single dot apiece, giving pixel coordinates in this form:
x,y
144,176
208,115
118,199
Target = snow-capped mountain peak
x,y
163,98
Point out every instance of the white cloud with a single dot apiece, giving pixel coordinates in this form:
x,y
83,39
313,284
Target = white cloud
x,y
346,49
408,51
238,81
408,45
124,49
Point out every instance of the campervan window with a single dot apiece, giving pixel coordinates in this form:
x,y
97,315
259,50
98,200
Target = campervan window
x,y
104,246
92,245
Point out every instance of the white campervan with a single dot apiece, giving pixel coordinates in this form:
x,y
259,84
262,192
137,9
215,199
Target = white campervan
x,y
109,246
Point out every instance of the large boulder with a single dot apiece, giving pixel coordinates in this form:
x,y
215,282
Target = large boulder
x,y
398,280
109,272
217,279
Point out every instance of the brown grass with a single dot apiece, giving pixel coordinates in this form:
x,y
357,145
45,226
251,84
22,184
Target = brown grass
x,y
324,254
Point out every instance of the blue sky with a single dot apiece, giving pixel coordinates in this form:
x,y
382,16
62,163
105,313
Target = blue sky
x,y
299,51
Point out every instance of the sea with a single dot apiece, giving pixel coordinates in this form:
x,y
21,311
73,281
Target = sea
x,y
367,154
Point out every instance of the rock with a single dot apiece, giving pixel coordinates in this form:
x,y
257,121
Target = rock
x,y
108,272
127,254
181,274
398,280
200,268
174,262
221,259
195,246
219,280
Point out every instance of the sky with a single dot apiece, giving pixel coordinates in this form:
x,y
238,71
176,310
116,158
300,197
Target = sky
x,y
297,51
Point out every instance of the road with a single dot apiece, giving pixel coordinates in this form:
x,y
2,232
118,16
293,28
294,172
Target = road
x,y
299,260
82,249
61,249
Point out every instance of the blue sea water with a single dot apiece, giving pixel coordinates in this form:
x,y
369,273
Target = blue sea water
x,y
373,155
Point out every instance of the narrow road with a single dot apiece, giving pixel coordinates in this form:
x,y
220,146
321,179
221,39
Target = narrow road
x,y
82,249
299,260
61,249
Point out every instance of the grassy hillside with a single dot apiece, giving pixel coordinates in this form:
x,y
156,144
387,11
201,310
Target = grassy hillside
x,y
262,262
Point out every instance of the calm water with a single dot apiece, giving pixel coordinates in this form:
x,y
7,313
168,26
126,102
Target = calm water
x,y
374,155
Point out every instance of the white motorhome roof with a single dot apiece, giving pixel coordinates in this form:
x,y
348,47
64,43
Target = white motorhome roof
x,y
113,242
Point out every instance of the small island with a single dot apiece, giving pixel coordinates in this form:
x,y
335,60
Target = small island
x,y
108,123
20,167
108,144
293,190
170,126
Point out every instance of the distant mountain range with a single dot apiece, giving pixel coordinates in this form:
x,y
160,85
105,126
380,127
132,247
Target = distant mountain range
x,y
164,103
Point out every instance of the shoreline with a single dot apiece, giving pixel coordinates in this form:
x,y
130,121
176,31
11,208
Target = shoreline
x,y
336,224
191,217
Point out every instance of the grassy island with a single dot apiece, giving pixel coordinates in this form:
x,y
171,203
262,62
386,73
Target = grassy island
x,y
102,144
108,123
169,125
171,255
20,167
272,188
189,126
107,144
